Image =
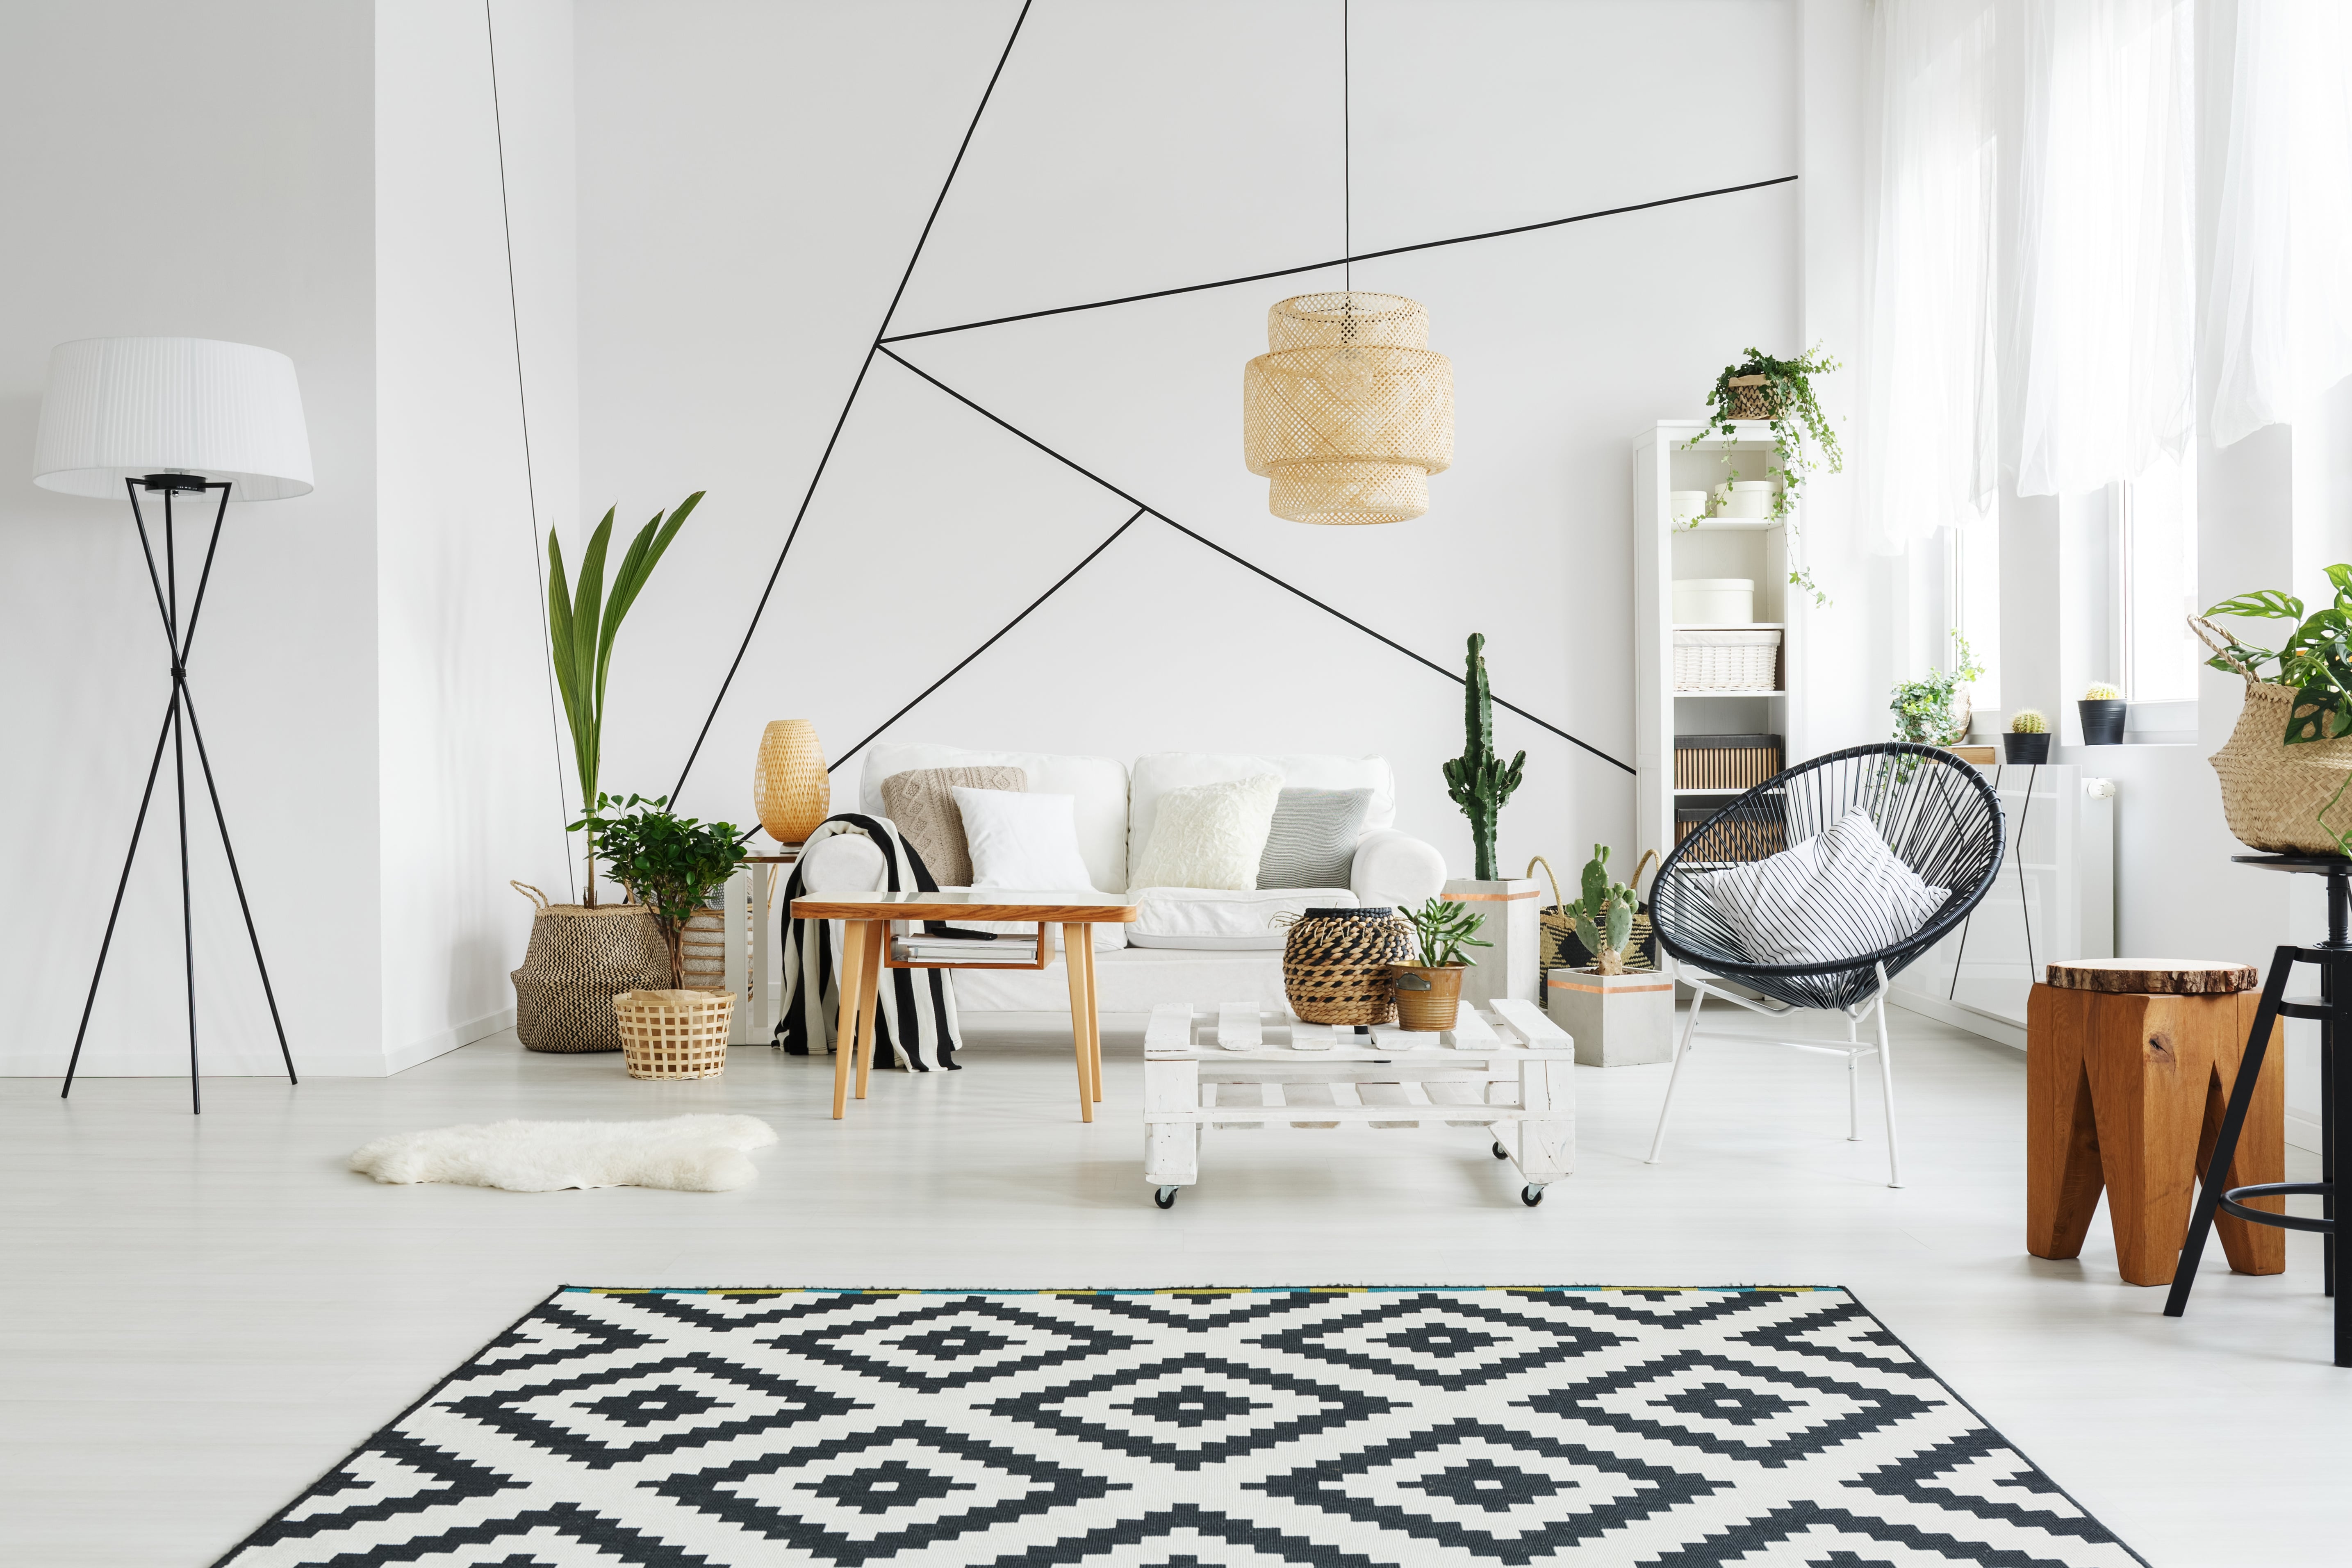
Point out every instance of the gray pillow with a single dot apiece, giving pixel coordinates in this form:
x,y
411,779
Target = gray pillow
x,y
1313,841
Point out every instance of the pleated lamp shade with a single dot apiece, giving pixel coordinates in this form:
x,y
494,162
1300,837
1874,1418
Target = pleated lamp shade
x,y
789,788
119,408
1350,412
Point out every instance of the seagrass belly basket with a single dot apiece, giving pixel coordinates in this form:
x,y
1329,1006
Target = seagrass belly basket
x,y
2279,798
1335,965
578,960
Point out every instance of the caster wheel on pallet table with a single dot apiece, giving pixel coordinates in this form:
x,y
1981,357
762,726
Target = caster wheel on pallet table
x,y
1501,1153
1166,1197
1531,1195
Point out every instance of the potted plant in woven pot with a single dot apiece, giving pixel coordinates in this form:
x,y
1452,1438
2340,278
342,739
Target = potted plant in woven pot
x,y
1429,987
671,865
2284,768
1619,1016
583,955
2027,740
1505,908
1780,392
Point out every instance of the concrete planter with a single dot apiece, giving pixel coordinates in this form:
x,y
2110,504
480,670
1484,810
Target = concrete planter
x,y
1617,1020
1509,967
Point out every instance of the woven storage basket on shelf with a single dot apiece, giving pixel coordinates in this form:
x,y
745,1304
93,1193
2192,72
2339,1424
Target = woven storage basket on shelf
x,y
1335,965
675,1034
1726,661
579,960
1727,762
1752,398
1748,840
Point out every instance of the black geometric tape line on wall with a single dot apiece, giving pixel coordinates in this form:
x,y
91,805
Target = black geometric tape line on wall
x,y
884,338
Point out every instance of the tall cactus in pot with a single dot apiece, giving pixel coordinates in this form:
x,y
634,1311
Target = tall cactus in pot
x,y
1477,781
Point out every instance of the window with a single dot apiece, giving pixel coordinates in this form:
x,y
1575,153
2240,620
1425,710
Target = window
x,y
1972,578
2155,593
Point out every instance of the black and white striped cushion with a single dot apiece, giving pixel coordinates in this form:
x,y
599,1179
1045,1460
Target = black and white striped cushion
x,y
1840,895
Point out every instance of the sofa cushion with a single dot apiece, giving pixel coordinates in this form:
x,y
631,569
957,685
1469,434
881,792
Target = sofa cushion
x,y
1160,772
1096,785
1312,843
919,802
1022,840
1209,836
1215,919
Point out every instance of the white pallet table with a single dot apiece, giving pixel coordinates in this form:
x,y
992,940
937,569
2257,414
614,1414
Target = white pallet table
x,y
1510,1071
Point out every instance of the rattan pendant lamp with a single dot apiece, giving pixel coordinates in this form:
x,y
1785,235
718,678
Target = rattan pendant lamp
x,y
1348,412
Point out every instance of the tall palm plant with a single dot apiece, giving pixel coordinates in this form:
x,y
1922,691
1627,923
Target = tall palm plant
x,y
581,627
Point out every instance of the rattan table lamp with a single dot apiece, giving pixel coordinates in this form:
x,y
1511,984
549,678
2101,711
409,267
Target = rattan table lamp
x,y
172,417
790,788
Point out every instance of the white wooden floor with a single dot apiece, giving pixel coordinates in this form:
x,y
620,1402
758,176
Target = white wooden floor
x,y
197,1317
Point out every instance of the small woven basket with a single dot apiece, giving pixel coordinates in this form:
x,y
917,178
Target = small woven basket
x,y
675,1034
1752,398
2278,798
1563,949
1335,965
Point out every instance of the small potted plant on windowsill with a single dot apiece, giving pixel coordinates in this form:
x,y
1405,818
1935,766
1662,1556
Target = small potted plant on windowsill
x,y
672,864
1935,711
1429,993
2027,740
2102,709
1618,1017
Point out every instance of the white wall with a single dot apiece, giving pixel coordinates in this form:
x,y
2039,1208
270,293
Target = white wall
x,y
473,788
201,171
739,246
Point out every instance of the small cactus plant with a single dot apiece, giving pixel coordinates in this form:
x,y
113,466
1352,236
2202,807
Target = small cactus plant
x,y
2102,692
2028,721
1477,781
1603,917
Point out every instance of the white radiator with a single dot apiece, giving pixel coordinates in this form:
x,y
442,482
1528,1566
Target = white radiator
x,y
2053,900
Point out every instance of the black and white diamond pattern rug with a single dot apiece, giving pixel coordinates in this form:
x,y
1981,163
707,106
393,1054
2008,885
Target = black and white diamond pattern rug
x,y
1681,1428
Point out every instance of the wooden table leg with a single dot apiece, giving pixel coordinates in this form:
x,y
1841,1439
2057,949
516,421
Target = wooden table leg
x,y
1094,1012
844,1031
2062,1175
877,936
1076,943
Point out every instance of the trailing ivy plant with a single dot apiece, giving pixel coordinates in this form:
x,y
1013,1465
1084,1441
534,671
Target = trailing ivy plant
x,y
2317,658
1796,418
668,863
1923,709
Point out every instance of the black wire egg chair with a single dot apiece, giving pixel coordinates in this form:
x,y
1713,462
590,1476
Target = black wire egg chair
x,y
1938,816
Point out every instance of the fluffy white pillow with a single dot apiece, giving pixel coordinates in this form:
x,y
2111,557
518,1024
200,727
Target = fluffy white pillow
x,y
1022,840
1210,835
1841,894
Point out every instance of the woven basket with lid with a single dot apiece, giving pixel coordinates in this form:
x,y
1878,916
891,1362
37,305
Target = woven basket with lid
x,y
1335,965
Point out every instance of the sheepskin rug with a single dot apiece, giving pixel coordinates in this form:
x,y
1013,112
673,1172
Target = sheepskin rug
x,y
685,1154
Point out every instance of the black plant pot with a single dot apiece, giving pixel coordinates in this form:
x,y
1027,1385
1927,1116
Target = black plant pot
x,y
2019,747
2102,721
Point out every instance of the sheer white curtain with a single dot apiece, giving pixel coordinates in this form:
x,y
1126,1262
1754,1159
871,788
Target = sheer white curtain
x,y
1928,448
2282,260
2105,258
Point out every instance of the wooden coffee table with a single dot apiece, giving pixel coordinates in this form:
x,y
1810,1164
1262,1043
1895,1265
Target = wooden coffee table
x,y
866,953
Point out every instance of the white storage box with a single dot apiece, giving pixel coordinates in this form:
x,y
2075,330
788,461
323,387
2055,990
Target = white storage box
x,y
1726,661
1750,498
1714,601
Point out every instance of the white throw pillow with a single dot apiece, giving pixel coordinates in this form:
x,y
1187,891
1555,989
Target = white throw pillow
x,y
1209,836
1022,840
1841,894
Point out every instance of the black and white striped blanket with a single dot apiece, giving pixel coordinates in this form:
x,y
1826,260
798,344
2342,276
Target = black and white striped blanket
x,y
916,1015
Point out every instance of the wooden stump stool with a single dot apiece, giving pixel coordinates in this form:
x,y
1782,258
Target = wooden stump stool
x,y
2128,1064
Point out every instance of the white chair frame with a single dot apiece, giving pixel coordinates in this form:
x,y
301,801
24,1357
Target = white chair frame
x,y
1854,1050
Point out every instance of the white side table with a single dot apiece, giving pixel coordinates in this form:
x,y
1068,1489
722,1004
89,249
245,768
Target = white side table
x,y
1510,1070
754,958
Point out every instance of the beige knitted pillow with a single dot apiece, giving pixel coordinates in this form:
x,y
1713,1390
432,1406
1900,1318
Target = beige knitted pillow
x,y
925,812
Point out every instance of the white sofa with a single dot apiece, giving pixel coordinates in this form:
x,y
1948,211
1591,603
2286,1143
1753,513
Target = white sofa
x,y
1188,944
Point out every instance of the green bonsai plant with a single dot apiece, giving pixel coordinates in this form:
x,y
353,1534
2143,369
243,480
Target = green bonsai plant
x,y
579,631
1781,391
1441,931
1477,781
670,864
1603,917
1923,709
2316,660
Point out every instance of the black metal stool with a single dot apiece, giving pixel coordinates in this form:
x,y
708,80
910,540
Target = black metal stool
x,y
2332,1010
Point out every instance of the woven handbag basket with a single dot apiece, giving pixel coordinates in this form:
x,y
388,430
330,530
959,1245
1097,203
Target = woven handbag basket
x,y
675,1034
578,960
2273,793
1335,965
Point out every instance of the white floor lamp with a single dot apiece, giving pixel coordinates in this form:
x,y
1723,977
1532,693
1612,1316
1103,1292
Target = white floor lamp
x,y
175,416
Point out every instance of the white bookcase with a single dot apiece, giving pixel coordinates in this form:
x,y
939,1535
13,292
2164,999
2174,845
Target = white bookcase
x,y
1663,462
